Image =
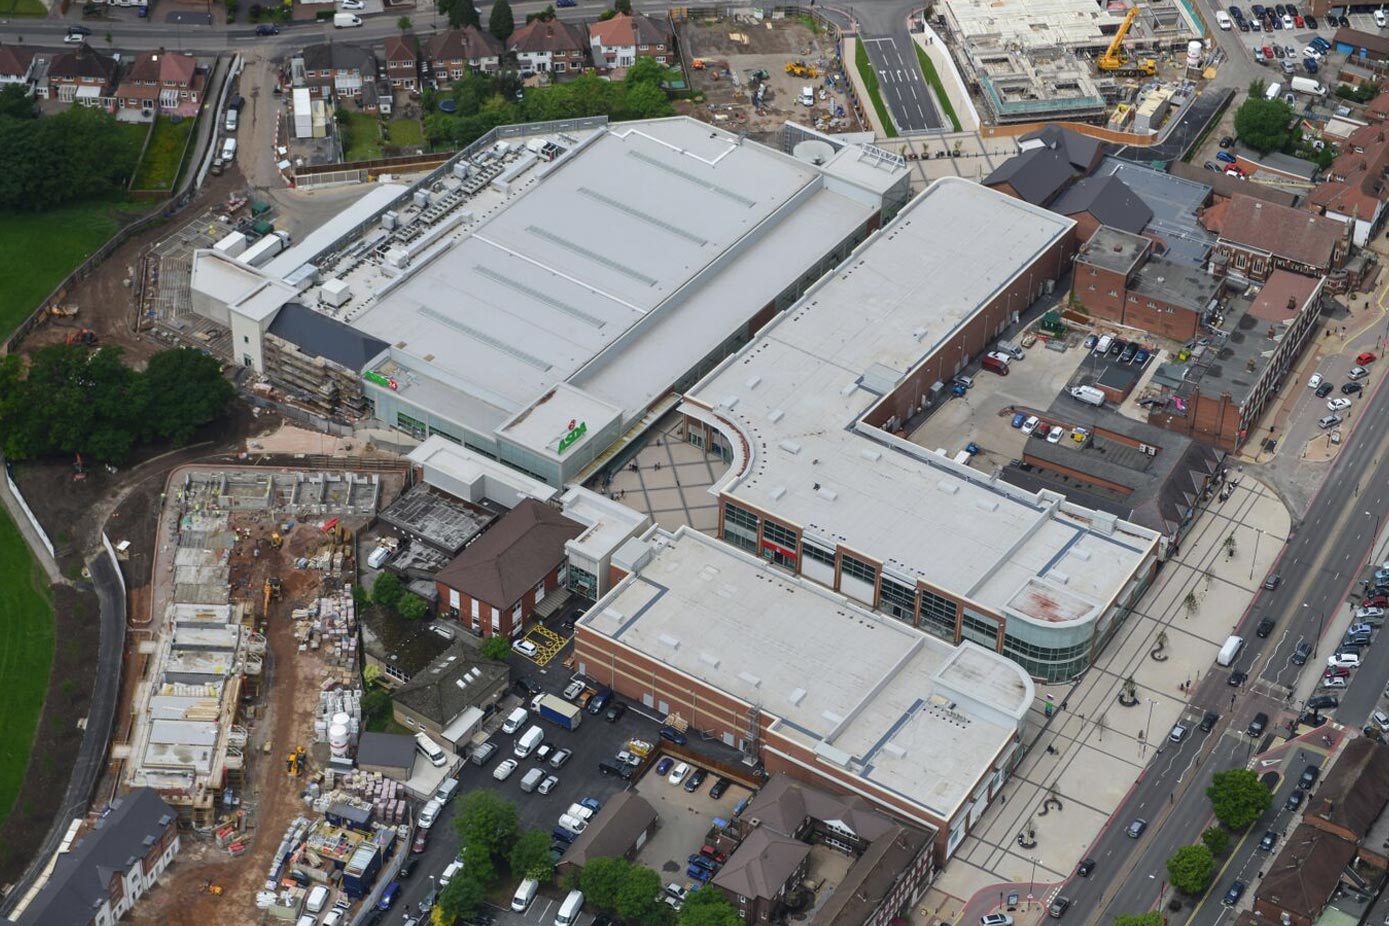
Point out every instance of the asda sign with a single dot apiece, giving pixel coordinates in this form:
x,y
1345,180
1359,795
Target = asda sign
x,y
577,429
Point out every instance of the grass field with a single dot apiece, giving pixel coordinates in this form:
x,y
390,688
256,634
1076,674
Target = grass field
x,y
363,138
870,82
34,8
405,133
164,156
928,70
26,652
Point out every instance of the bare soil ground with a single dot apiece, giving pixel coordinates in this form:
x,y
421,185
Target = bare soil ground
x,y
733,49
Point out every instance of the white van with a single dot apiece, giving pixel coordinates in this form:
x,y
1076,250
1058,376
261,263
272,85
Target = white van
x,y
569,910
447,788
1223,20
429,814
346,20
378,557
524,895
228,149
515,719
430,750
1230,651
230,124
528,741
318,899
1273,91
532,779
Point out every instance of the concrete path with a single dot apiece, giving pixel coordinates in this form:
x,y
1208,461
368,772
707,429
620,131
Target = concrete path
x,y
31,537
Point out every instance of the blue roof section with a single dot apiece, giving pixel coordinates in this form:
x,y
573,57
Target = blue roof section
x,y
320,336
1174,202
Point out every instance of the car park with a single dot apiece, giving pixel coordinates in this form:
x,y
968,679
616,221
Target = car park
x,y
1269,840
1294,801
1209,721
1308,778
1136,828
1233,895
1258,724
696,780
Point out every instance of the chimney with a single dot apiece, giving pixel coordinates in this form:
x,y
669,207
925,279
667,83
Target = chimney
x,y
1292,304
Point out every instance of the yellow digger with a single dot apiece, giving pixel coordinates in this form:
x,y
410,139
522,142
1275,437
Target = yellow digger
x,y
294,762
799,68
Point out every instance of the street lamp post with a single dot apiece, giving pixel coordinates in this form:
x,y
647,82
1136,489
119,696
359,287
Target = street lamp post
x,y
1375,538
1257,535
1321,616
1032,883
1147,730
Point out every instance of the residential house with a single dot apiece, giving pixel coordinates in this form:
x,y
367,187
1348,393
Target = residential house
x,y
1119,278
1353,796
115,864
82,75
620,41
499,579
403,61
549,45
758,877
335,69
1354,190
169,82
1258,237
450,699
17,66
452,53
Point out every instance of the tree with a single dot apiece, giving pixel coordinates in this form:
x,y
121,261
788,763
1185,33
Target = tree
x,y
1216,839
412,607
602,881
638,898
404,24
377,708
496,647
186,390
460,898
486,819
622,6
530,857
476,856
15,103
545,15
387,590
646,101
708,908
1151,918
502,22
645,70
1263,124
460,13
1190,869
1238,797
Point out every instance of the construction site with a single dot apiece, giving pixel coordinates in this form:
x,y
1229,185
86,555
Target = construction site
x,y
754,74
246,683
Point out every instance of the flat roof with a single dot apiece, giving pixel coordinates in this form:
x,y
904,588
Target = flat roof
x,y
796,393
437,518
1032,22
867,693
462,465
607,523
313,244
1114,249
1174,201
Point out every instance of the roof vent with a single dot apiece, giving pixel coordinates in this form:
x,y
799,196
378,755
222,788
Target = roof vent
x,y
893,749
1082,555
948,487
918,334
826,493
776,415
1059,577
752,382
729,401
832,717
868,453
777,493
797,696
789,446
667,640
709,659
987,504
751,679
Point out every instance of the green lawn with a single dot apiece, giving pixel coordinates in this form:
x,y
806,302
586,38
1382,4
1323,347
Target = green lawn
x,y
870,82
928,69
23,8
164,156
405,133
363,138
26,652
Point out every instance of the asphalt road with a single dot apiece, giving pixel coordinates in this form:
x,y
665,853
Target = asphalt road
x,y
903,88
1321,568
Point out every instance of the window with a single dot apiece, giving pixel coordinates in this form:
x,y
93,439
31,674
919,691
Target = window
x,y
1051,664
858,569
810,551
898,600
781,536
740,527
1114,292
938,614
983,632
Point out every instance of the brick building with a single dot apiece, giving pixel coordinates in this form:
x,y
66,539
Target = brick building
x,y
1119,278
450,54
111,867
1258,237
553,46
495,583
1354,190
451,697
336,69
620,41
166,82
403,61
84,76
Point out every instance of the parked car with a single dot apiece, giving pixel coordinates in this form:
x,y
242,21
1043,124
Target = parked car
x,y
1030,424
1265,627
678,775
1351,389
1365,359
1237,678
1269,840
995,919
1339,681
1311,21
549,784
525,648
1055,434
1301,653
1342,658
1336,672
1233,895
1357,373
664,765
267,29
573,689
1209,721
1258,724
1329,421
614,712
1178,733
670,734
1309,777
1314,381
693,783
1294,801
1323,702
1225,156
504,769
1337,404
560,757
720,786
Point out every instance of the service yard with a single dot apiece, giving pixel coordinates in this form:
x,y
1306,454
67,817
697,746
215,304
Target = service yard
x,y
724,58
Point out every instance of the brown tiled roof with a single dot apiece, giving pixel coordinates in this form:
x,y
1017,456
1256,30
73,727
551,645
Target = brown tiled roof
x,y
1377,110
467,44
516,553
613,831
624,29
761,865
14,62
83,61
1354,793
1369,41
402,48
1294,234
1282,297
1304,875
1354,185
552,36
160,67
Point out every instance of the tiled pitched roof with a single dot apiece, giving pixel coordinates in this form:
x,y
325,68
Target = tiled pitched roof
x,y
1303,877
623,30
83,61
1109,200
335,56
402,48
1037,175
161,67
467,44
14,62
1354,792
516,553
1294,234
1081,150
761,865
537,37
436,693
1354,184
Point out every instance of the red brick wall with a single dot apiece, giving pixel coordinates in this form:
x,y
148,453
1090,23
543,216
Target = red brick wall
x,y
1078,475
1179,324
1101,291
1215,421
465,605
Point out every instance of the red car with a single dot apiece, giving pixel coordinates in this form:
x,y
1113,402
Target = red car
x,y
1365,358
711,852
1376,601
1336,672
421,837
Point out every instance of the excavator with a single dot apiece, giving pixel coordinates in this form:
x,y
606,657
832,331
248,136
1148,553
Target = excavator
x,y
294,762
1114,62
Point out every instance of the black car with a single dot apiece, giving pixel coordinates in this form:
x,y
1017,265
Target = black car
x,y
719,788
1258,724
1294,801
1304,650
1237,678
1129,352
1233,895
1209,721
1265,627
696,779
1269,840
673,735
614,712
1324,390
526,686
1273,581
1086,866
1227,142
78,30
599,702
1118,347
1323,702
1310,20
1308,778
1351,389
406,870
267,29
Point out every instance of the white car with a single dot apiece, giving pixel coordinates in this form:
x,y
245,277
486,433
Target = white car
x,y
1178,733
352,5
1337,404
504,769
1055,434
572,824
1310,52
1347,660
580,811
576,687
678,773
73,38
1315,381
995,919
1030,424
525,648
454,868
1288,23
